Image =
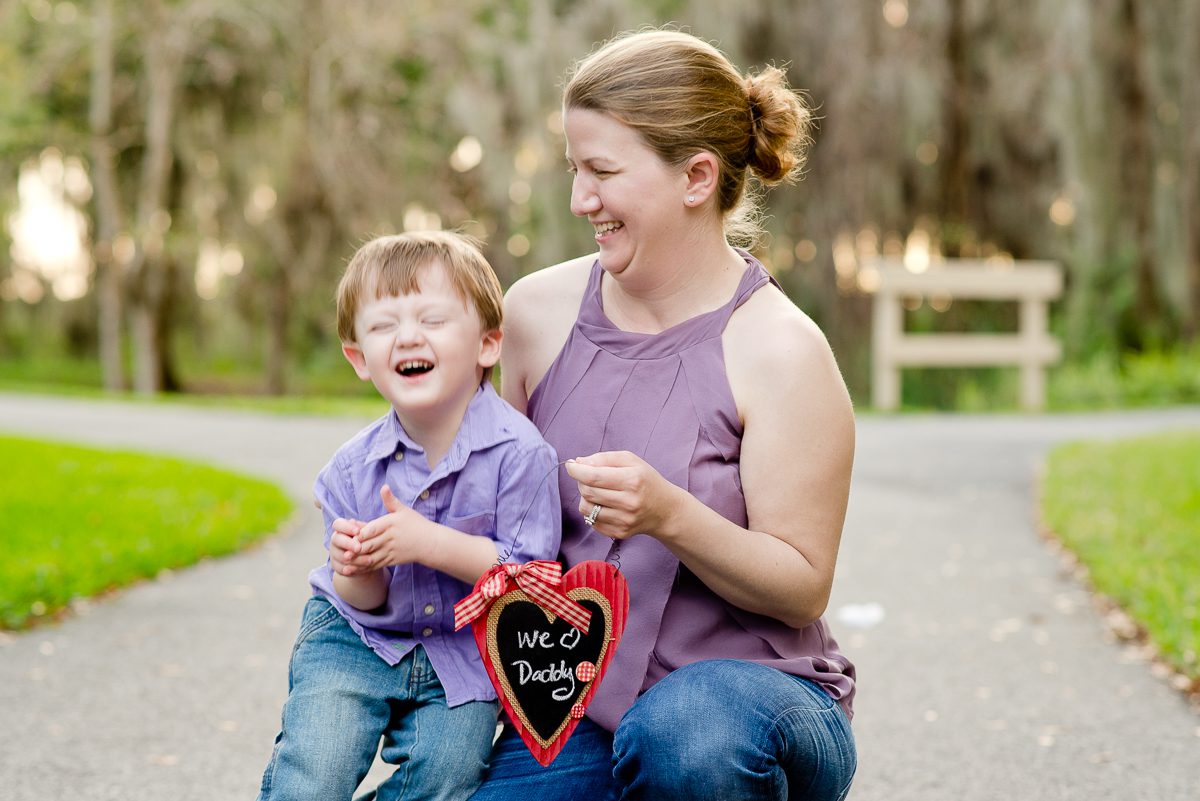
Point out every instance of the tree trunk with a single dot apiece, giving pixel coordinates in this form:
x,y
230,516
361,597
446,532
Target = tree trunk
x,y
145,349
955,178
1189,55
168,378
108,210
278,321
1137,174
163,54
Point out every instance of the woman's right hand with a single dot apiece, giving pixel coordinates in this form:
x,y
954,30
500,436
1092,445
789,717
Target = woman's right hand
x,y
633,497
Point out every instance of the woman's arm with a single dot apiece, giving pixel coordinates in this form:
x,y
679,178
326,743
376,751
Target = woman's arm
x,y
797,453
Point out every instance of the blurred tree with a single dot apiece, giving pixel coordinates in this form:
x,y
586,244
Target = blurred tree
x,y
279,205
1188,60
239,152
30,104
108,222
1137,174
166,36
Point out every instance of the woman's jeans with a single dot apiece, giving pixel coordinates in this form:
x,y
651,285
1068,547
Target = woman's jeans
x,y
342,699
724,730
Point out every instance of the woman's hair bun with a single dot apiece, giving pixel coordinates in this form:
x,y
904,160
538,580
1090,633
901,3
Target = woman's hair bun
x,y
781,124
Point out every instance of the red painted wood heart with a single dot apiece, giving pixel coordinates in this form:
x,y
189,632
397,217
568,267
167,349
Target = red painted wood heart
x,y
544,670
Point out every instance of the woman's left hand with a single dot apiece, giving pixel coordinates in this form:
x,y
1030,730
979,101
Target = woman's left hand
x,y
633,497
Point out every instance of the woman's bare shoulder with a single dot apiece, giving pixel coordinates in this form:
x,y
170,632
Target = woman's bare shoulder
x,y
770,324
771,342
557,284
539,311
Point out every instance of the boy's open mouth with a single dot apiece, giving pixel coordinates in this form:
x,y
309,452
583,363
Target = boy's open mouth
x,y
414,367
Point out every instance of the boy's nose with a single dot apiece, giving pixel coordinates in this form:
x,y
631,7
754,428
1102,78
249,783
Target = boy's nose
x,y
408,333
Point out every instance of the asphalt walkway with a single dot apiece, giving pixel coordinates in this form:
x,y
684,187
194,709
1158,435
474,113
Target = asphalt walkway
x,y
985,670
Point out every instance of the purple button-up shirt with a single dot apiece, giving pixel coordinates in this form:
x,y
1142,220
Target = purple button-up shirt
x,y
496,481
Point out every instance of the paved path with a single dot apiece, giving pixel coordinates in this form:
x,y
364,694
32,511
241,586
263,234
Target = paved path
x,y
989,676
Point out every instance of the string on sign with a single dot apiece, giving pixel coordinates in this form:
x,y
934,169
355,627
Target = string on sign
x,y
614,554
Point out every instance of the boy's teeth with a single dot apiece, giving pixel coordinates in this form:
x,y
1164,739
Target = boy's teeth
x,y
414,366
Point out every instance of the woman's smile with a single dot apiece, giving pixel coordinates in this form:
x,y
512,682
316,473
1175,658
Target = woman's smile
x,y
606,228
633,200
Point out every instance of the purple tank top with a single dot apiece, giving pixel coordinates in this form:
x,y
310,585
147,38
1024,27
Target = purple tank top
x,y
666,398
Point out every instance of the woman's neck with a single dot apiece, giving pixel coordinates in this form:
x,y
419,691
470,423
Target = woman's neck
x,y
692,281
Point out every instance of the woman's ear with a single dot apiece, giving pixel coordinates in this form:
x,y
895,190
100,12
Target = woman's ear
x,y
703,172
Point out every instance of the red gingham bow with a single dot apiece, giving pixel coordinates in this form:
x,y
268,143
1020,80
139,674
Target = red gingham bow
x,y
539,579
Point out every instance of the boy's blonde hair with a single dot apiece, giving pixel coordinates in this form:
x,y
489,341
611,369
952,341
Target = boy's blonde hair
x,y
392,265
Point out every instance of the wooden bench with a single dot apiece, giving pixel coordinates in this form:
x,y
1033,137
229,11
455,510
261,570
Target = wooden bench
x,y
1033,284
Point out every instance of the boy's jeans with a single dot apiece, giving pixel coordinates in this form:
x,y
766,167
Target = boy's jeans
x,y
342,698
718,730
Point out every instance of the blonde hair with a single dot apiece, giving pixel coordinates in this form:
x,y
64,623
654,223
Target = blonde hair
x,y
683,96
392,265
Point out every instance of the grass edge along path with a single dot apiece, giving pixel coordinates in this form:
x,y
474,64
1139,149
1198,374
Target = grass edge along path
x,y
79,521
1129,511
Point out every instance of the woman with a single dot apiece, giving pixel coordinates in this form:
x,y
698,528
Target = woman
x,y
714,439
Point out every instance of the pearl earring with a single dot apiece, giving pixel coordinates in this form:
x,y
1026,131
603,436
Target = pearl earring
x,y
691,198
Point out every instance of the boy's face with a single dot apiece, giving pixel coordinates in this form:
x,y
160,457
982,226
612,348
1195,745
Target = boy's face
x,y
425,352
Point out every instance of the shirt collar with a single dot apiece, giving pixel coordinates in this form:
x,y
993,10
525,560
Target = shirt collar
x,y
483,427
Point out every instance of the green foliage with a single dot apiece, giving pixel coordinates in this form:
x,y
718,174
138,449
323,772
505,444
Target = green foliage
x,y
976,316
325,382
970,389
20,115
44,82
79,521
1103,381
1133,379
53,373
1128,510
296,135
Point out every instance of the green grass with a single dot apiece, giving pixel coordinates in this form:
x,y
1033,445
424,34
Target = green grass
x,y
344,406
79,521
329,391
1130,511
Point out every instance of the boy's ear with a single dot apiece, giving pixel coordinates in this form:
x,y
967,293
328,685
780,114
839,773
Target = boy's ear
x,y
489,348
358,361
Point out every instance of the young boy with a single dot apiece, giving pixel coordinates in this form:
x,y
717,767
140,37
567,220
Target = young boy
x,y
450,480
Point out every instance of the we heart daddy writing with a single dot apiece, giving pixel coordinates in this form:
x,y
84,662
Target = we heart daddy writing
x,y
546,642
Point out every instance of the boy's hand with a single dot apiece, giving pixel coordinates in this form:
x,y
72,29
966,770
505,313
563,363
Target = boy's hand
x,y
396,538
343,545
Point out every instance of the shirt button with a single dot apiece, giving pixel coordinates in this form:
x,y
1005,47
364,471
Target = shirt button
x,y
425,632
399,456
425,495
429,609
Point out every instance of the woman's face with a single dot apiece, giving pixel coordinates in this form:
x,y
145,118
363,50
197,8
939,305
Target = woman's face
x,y
633,200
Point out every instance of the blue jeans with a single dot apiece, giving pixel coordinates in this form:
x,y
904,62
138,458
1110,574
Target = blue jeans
x,y
721,729
342,698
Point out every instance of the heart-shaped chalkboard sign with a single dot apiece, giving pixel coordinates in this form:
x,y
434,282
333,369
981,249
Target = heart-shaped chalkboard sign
x,y
545,670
